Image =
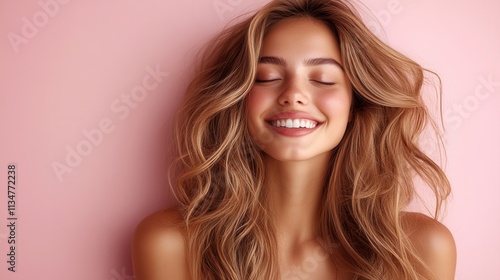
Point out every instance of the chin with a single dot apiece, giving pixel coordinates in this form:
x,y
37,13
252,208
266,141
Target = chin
x,y
298,156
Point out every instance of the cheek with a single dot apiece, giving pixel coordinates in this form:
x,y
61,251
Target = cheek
x,y
257,102
337,105
252,103
253,106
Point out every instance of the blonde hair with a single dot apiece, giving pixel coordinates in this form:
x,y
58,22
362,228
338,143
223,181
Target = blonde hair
x,y
219,172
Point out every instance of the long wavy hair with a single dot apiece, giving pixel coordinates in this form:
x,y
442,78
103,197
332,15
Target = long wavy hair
x,y
218,172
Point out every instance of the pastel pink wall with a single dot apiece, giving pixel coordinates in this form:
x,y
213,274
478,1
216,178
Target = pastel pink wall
x,y
89,88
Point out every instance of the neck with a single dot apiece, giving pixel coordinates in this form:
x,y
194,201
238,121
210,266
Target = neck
x,y
295,189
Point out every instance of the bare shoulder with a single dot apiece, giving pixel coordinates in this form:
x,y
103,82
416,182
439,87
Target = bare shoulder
x,y
434,243
159,247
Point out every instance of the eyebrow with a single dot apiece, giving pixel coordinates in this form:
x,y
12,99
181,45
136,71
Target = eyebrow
x,y
308,62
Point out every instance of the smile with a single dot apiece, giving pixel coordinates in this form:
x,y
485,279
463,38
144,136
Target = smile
x,y
294,123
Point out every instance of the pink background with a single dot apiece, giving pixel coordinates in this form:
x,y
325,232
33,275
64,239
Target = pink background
x,y
66,77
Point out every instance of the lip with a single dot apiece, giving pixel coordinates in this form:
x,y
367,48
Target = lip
x,y
293,132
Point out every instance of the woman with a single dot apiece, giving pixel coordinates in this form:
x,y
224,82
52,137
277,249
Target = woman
x,y
296,152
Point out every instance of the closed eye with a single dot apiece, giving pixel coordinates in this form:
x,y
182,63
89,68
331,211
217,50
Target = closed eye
x,y
324,83
266,81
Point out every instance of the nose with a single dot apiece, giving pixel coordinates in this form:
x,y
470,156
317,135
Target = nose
x,y
294,94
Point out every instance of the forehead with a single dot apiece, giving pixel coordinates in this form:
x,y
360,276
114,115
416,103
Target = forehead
x,y
300,35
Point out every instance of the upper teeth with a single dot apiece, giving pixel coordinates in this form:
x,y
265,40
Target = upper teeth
x,y
296,123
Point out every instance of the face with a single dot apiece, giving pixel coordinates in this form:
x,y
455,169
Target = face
x,y
299,105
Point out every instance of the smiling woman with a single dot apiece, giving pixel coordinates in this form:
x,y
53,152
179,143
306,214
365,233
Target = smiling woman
x,y
299,80
297,145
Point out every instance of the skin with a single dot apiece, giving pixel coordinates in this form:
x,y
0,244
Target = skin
x,y
297,165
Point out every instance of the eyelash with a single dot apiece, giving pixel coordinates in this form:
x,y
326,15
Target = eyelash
x,y
325,83
266,81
